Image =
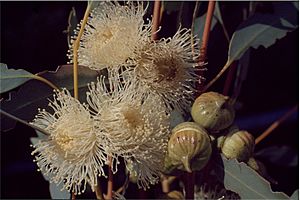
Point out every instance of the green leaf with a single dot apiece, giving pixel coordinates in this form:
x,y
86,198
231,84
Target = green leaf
x,y
287,10
172,6
12,78
35,94
240,178
199,25
217,13
295,195
280,156
175,118
72,25
259,30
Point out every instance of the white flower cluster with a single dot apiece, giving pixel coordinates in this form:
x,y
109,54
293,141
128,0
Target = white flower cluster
x,y
126,117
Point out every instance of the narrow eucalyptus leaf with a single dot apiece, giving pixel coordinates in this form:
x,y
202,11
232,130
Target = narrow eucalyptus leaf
x,y
258,30
12,78
295,195
217,13
280,156
72,25
171,6
199,25
288,11
240,178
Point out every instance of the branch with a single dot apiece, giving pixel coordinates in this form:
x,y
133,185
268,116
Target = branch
x,y
205,37
276,124
156,19
98,191
110,180
75,50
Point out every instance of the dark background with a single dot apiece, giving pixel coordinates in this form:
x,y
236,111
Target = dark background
x,y
32,38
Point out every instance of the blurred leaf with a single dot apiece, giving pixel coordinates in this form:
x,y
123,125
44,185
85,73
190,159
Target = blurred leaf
x,y
287,11
199,25
241,74
218,16
34,94
171,6
281,156
295,195
12,78
246,182
56,193
175,118
72,25
217,13
34,141
258,30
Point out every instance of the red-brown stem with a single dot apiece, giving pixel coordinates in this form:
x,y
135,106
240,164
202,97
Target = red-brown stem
x,y
189,185
205,37
156,19
229,78
110,179
276,124
98,192
165,184
73,196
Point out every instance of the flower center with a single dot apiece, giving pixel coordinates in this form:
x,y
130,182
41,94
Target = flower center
x,y
64,142
133,117
165,71
107,34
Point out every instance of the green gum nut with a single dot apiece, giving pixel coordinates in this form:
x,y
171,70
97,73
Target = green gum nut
x,y
189,147
213,111
239,145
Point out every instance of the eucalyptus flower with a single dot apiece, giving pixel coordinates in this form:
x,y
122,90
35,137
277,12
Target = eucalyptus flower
x,y
113,35
167,68
136,128
72,154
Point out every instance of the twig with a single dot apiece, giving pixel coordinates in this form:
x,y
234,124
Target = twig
x,y
124,186
98,191
34,76
24,122
205,37
165,182
73,196
276,124
110,179
189,185
229,78
179,16
75,50
196,9
228,63
156,19
42,79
